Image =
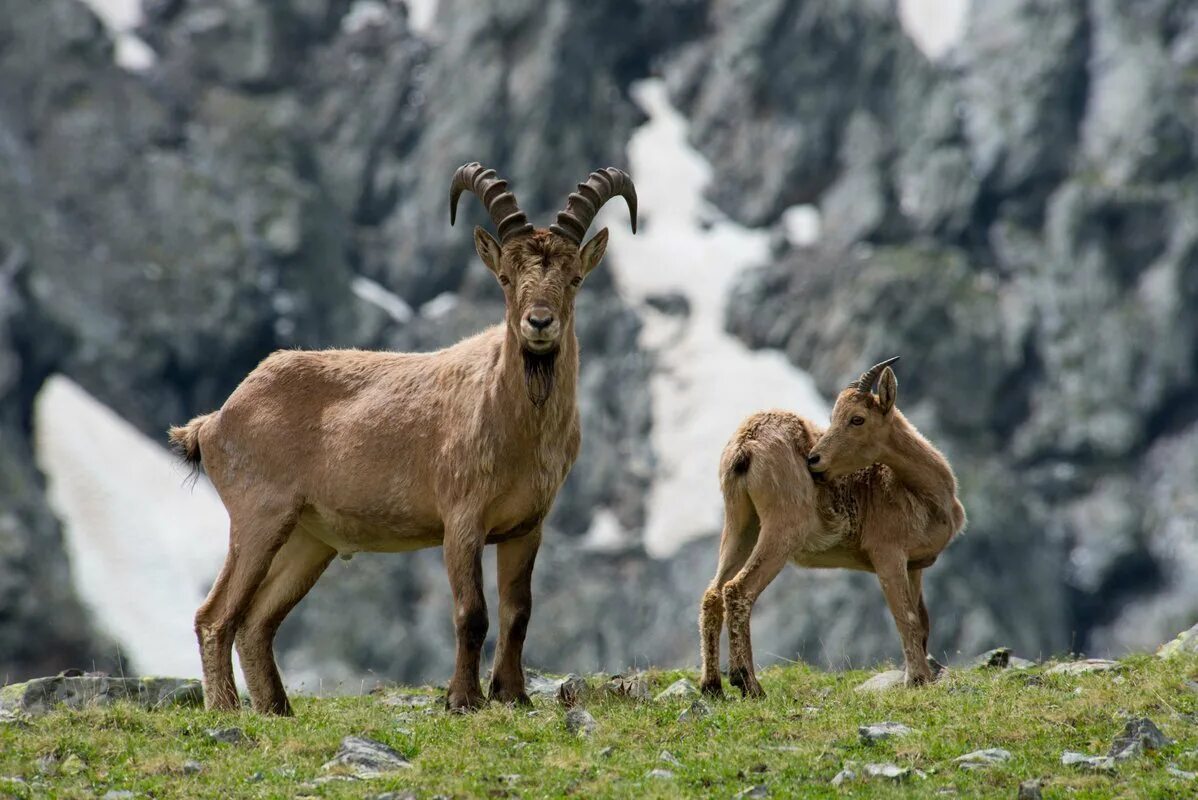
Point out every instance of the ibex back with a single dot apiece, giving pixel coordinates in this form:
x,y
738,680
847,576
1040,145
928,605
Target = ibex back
x,y
324,452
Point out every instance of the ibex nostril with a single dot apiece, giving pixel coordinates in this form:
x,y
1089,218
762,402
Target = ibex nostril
x,y
540,321
812,460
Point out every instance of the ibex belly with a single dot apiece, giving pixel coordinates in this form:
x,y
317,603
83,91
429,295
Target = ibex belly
x,y
353,532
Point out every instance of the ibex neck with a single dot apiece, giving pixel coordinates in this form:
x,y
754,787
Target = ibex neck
x,y
918,465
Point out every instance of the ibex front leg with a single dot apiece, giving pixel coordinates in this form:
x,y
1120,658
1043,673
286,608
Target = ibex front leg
x,y
463,561
891,568
514,559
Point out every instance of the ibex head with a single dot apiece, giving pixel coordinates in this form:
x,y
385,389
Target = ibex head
x,y
540,269
860,424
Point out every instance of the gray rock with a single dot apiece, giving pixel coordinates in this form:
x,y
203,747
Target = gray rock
x,y
1002,658
844,776
192,767
1185,642
580,722
574,690
366,758
406,794
879,731
119,794
981,759
1029,790
662,774
1096,763
40,695
1084,667
226,735
681,689
403,699
889,679
1138,737
758,791
669,758
1181,773
697,710
634,687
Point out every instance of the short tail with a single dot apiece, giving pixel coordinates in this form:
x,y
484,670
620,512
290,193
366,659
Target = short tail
x,y
185,440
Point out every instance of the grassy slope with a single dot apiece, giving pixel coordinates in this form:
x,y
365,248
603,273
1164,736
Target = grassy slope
x,y
794,742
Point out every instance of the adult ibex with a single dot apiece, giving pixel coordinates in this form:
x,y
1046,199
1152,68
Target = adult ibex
x,y
338,451
870,493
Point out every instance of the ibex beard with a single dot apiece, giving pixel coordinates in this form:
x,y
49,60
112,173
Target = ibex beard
x,y
320,453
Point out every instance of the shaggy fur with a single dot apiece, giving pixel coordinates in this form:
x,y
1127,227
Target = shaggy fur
x,y
878,497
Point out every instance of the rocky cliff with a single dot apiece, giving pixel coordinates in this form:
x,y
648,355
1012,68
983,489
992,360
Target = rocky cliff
x,y
1017,220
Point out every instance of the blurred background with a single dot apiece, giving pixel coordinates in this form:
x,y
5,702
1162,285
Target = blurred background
x,y
1003,192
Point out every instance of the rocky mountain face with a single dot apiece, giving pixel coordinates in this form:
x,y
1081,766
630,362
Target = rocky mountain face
x,y
1017,221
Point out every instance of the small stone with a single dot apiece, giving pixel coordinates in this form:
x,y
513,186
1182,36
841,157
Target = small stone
x,y
1096,763
572,691
889,771
697,710
406,794
884,680
255,778
192,767
1138,737
607,752
669,758
1192,686
760,790
882,730
538,685
682,688
664,774
408,700
366,757
580,722
980,759
1084,666
13,719
122,794
226,735
1029,790
1181,773
1001,658
633,687
844,776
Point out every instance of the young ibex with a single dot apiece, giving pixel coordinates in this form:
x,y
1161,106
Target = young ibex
x,y
338,451
869,493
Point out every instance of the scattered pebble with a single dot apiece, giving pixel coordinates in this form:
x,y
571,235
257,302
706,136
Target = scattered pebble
x,y
882,730
1029,790
366,757
682,688
1181,773
980,759
760,790
226,735
664,774
408,700
580,722
884,680
669,758
1084,666
1138,737
634,687
607,752
1001,658
573,690
192,767
122,794
851,772
1097,763
697,710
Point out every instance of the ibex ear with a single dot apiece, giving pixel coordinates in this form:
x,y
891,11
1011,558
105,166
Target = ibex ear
x,y
487,248
887,390
592,252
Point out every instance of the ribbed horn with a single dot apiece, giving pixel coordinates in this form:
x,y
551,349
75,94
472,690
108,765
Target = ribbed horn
x,y
866,382
492,190
600,186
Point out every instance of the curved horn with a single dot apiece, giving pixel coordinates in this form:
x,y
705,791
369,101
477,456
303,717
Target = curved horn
x,y
600,186
492,190
866,382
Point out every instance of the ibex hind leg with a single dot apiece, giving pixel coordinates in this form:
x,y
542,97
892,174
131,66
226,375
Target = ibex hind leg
x,y
253,542
295,569
766,561
736,543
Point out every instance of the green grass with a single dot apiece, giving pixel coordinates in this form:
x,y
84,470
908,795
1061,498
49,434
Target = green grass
x,y
794,742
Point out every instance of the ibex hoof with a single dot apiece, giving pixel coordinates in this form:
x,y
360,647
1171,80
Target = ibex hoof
x,y
713,689
464,702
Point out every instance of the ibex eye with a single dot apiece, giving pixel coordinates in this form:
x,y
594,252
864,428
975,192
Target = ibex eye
x,y
858,420
577,280
505,280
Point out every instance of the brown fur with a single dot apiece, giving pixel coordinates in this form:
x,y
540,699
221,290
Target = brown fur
x,y
324,452
884,501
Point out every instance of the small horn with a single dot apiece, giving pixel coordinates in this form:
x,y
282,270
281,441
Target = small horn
x,y
492,191
866,382
582,206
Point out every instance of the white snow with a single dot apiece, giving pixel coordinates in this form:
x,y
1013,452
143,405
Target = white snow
x,y
421,14
440,305
802,225
378,295
935,25
704,381
143,547
364,14
121,18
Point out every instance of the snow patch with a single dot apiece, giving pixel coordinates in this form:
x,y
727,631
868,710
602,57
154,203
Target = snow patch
x,y
934,25
143,547
121,18
802,224
439,306
421,14
378,295
364,14
606,534
704,381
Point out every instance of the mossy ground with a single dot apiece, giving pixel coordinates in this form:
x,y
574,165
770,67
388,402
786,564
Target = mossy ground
x,y
793,742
